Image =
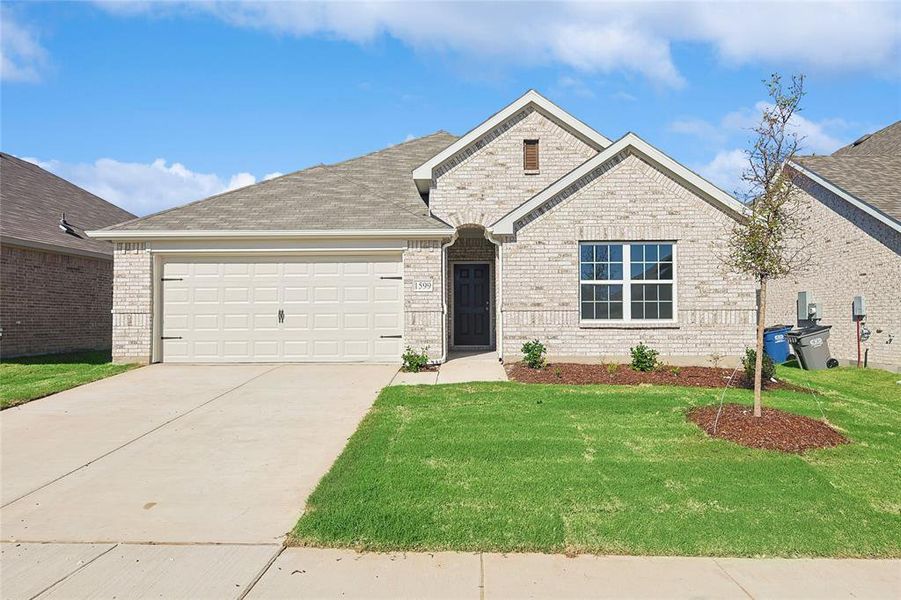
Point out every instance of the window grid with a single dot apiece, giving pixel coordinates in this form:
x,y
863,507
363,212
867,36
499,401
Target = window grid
x,y
610,293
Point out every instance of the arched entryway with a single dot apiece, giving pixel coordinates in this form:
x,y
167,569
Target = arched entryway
x,y
471,290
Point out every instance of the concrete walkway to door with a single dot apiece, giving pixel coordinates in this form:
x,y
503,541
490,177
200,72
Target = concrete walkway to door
x,y
460,367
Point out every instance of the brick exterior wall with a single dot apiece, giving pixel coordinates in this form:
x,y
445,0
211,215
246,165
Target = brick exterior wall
x,y
52,302
423,310
132,303
486,181
852,254
629,200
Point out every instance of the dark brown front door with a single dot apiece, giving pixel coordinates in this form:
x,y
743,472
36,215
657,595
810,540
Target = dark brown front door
x,y
472,305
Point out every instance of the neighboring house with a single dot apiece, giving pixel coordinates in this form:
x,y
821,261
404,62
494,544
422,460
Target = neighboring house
x,y
532,225
854,200
55,283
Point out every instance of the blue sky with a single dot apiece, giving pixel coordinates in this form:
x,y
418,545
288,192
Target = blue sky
x,y
151,105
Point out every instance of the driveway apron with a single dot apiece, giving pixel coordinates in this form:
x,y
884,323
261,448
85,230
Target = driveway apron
x,y
236,469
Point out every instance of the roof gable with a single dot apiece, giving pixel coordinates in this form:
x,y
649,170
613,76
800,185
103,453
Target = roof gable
x,y
628,143
422,174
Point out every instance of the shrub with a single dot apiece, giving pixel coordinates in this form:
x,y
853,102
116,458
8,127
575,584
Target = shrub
x,y
533,354
644,358
749,362
612,368
414,361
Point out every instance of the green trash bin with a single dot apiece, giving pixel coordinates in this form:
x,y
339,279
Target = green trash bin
x,y
811,346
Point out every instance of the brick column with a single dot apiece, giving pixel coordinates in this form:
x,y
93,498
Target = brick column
x,y
422,310
132,303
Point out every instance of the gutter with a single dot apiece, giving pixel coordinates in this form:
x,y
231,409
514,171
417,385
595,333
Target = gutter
x,y
180,234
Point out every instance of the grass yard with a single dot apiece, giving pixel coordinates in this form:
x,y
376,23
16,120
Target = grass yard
x,y
33,377
603,469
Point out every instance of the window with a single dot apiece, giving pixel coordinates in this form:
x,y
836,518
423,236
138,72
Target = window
x,y
530,155
626,281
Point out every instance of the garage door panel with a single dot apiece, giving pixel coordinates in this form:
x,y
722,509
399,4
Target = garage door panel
x,y
333,310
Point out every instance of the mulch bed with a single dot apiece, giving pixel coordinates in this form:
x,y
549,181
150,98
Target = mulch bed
x,y
583,374
774,430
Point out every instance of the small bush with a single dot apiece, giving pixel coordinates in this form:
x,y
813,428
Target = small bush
x,y
612,368
414,361
644,358
533,354
749,363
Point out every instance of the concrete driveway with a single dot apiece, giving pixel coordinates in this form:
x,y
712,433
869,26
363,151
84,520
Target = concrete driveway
x,y
179,454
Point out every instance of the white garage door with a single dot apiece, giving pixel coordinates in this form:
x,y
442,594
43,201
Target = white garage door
x,y
288,309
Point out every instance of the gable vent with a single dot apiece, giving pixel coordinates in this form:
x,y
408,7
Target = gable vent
x,y
530,155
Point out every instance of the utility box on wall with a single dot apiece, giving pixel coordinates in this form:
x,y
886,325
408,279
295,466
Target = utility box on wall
x,y
858,308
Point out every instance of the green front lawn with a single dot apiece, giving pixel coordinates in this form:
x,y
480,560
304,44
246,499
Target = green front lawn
x,y
604,469
32,377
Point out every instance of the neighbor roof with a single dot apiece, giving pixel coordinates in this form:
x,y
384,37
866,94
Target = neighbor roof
x,y
32,201
884,142
869,171
372,192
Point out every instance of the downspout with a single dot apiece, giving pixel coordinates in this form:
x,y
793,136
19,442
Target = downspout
x,y
499,319
444,248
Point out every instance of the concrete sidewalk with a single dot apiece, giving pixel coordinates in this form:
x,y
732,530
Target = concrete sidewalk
x,y
264,571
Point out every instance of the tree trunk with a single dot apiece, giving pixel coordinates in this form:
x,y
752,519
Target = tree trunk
x,y
758,362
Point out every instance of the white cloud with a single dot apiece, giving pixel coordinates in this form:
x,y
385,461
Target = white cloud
x,y
593,37
815,137
272,175
725,170
698,128
22,58
144,188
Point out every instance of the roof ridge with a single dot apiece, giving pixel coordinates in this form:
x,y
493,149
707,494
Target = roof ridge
x,y
386,148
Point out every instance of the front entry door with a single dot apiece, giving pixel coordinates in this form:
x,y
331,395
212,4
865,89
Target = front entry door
x,y
472,305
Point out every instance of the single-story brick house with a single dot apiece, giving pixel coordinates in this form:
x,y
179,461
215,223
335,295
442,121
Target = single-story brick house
x,y
56,284
532,225
854,202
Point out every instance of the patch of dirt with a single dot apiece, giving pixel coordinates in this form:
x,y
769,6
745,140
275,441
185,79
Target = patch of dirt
x,y
583,374
774,430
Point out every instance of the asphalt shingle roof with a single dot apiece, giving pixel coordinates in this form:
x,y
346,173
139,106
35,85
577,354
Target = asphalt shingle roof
x,y
869,169
375,191
32,201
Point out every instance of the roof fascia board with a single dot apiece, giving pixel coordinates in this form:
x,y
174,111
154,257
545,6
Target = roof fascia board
x,y
505,225
423,173
148,234
56,248
847,197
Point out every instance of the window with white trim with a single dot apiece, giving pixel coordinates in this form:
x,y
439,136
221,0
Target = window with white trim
x,y
627,281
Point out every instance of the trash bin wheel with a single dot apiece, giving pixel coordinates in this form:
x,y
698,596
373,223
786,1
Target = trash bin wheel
x,y
831,363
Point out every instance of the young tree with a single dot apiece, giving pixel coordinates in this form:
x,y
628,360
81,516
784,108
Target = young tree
x,y
769,244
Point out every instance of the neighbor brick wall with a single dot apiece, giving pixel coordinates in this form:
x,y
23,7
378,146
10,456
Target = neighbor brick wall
x,y
629,200
422,310
485,181
132,303
851,254
52,302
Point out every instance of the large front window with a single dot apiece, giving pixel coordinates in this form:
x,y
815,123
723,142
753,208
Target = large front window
x,y
626,281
